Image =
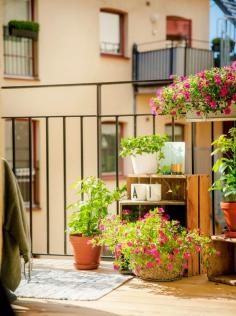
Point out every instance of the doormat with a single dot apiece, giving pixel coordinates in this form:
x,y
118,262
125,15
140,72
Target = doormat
x,y
69,285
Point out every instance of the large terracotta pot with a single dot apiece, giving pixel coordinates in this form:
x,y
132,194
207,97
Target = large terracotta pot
x,y
229,209
86,256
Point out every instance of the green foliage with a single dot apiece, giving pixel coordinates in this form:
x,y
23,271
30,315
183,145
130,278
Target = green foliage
x,y
216,43
24,25
87,214
226,165
152,240
143,144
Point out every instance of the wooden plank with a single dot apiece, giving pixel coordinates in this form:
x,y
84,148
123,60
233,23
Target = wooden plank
x,y
192,218
205,206
162,202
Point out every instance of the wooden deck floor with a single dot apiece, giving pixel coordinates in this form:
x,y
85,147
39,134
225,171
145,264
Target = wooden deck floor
x,y
189,296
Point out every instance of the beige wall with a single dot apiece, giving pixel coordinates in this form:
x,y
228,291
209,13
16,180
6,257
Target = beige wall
x,y
68,51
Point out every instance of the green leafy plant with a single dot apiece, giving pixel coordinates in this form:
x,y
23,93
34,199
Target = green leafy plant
x,y
143,144
87,214
226,165
217,41
152,241
24,25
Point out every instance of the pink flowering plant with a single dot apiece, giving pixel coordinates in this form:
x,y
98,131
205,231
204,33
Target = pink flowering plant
x,y
209,91
153,243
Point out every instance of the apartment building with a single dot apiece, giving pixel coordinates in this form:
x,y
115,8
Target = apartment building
x,y
92,41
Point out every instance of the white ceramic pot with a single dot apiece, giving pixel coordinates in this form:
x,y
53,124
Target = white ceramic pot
x,y
153,192
138,191
145,163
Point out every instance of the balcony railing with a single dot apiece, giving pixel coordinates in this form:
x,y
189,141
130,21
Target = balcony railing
x,y
18,55
173,59
78,144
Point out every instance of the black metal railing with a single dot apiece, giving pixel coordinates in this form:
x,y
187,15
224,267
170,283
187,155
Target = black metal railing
x,y
54,164
169,58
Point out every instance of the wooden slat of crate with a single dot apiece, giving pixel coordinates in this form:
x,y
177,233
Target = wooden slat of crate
x,y
192,218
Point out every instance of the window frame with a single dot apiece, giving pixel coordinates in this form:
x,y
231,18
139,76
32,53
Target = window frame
x,y
112,175
34,45
35,158
176,125
121,15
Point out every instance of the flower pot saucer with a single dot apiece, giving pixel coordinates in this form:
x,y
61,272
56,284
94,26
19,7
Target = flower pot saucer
x,y
230,234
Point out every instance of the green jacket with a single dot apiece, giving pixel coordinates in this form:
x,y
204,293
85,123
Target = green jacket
x,y
16,241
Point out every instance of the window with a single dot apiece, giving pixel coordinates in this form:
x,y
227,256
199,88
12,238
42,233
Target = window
x,y
109,148
22,158
179,132
111,32
178,29
19,59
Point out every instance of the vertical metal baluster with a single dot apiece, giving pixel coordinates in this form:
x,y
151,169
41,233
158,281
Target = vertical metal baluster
x,y
82,151
99,130
30,180
117,158
135,125
13,145
213,180
172,129
64,183
47,187
154,124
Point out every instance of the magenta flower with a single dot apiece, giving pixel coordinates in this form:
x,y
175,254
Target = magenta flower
x,y
169,266
102,227
130,244
186,85
213,105
137,250
187,255
171,256
150,265
176,251
198,248
223,92
227,111
116,267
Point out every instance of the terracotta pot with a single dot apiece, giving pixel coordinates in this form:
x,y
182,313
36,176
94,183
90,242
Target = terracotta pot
x,y
229,210
86,256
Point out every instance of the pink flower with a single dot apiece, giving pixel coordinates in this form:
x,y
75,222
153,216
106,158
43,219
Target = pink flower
x,y
187,255
198,248
213,105
130,244
189,238
223,92
137,250
227,111
169,266
185,266
173,113
126,212
102,227
161,210
116,267
176,251
174,97
171,256
150,264
186,85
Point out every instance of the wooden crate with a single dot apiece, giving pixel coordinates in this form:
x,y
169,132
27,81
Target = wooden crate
x,y
190,191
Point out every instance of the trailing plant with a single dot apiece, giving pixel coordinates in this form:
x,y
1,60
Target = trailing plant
x,y
217,41
209,91
143,144
226,165
24,25
88,213
152,241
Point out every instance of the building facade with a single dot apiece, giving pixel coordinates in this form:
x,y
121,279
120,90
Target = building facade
x,y
90,42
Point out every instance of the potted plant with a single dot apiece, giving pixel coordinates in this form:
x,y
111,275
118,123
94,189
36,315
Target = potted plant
x,y
28,29
208,93
226,183
217,41
153,247
86,217
145,151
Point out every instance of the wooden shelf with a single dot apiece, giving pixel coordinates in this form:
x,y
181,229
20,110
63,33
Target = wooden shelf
x,y
162,202
222,268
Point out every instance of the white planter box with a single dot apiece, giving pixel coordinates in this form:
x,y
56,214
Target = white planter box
x,y
146,163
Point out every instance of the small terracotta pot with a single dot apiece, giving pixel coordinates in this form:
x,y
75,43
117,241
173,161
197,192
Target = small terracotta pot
x,y
229,210
86,256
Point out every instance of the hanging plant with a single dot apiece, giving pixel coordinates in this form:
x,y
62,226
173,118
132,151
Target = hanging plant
x,y
209,91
